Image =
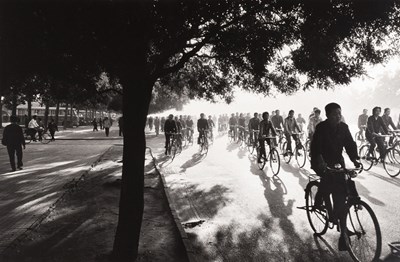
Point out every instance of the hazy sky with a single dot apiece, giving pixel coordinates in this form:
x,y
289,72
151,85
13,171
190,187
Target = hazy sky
x,y
353,98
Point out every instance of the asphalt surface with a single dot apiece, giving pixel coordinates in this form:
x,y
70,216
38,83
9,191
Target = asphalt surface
x,y
232,211
27,194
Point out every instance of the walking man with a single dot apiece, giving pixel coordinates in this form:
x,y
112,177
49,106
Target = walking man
x,y
94,123
52,127
13,138
107,124
157,125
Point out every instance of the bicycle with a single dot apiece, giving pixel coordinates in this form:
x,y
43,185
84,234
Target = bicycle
x,y
204,143
189,136
45,138
241,135
356,225
391,162
175,147
272,156
300,152
252,141
308,149
232,133
359,137
281,138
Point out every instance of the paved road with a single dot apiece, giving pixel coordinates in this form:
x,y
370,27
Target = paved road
x,y
236,212
28,193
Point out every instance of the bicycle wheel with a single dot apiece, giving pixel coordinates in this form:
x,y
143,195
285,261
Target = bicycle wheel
x,y
45,138
274,161
317,217
366,160
173,150
282,144
250,146
301,156
391,164
27,139
308,149
231,137
362,234
205,147
286,155
261,163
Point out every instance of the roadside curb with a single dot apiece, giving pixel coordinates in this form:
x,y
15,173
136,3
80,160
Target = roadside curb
x,y
186,242
67,189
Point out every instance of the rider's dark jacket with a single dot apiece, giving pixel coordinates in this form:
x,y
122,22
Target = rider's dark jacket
x,y
327,145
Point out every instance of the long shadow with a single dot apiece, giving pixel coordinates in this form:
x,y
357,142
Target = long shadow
x,y
392,180
364,192
299,173
196,159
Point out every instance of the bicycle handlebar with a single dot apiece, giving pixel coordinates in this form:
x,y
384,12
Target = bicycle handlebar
x,y
352,172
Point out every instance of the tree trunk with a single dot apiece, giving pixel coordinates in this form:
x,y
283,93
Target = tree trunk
x,y
1,111
65,116
14,106
57,112
46,114
77,116
29,109
86,115
135,108
71,116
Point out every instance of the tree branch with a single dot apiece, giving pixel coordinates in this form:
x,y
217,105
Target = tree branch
x,y
118,91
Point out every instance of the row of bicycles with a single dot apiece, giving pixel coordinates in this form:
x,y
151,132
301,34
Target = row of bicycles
x,y
275,147
184,139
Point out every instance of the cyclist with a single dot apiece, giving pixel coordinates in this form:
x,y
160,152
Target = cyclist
x,y
266,127
290,127
169,127
202,124
277,120
314,121
327,145
33,127
374,125
301,122
362,123
387,120
242,124
211,125
162,122
179,131
232,124
183,125
189,125
254,124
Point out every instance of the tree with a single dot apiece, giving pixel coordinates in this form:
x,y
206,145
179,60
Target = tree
x,y
286,45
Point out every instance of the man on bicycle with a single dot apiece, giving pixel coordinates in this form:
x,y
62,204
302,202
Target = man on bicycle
x,y
314,121
33,127
169,127
242,124
290,127
266,127
254,124
362,123
277,120
387,120
327,145
232,124
211,125
189,125
202,125
375,125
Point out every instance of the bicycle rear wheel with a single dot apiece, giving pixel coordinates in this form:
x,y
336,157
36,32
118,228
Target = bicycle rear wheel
x,y
286,155
366,160
362,234
308,149
391,163
301,156
274,161
45,138
317,217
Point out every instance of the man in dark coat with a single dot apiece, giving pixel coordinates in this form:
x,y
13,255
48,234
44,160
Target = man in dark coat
x,y
13,138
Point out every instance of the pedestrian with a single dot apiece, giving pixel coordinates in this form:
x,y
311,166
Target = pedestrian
x,y
26,121
107,124
13,139
121,126
151,121
157,125
52,127
94,123
162,122
101,123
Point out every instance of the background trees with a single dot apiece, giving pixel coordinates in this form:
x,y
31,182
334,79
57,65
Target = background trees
x,y
205,47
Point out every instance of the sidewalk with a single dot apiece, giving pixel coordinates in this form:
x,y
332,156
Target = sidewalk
x,y
82,226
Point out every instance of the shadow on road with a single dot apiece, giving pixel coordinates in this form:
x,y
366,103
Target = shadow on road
x,y
196,159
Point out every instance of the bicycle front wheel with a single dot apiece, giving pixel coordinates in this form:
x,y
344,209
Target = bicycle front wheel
x,y
286,155
392,162
362,234
250,147
260,159
274,161
366,160
308,146
317,216
173,151
301,156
